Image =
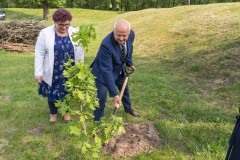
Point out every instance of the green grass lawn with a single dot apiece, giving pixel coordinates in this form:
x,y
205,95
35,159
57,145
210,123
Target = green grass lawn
x,y
186,84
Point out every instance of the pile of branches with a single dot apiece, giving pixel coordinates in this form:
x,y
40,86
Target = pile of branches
x,y
19,36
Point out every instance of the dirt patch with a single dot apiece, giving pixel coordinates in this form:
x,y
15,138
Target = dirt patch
x,y
137,139
11,129
5,98
224,81
3,142
17,47
36,130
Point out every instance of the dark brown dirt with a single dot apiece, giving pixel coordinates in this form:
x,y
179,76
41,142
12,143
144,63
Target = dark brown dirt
x,y
137,139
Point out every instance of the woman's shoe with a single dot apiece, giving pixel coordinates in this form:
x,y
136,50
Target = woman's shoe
x,y
66,118
53,118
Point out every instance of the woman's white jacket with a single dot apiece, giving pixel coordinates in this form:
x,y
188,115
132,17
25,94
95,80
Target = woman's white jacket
x,y
44,53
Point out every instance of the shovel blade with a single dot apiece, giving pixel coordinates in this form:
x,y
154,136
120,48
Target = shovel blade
x,y
115,111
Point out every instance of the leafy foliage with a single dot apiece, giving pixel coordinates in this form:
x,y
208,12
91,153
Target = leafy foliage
x,y
85,34
81,102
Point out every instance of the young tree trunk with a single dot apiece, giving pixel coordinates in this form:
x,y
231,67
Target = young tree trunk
x,y
45,10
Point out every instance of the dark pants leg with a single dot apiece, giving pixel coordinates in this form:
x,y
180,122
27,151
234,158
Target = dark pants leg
x,y
102,96
52,107
235,154
126,96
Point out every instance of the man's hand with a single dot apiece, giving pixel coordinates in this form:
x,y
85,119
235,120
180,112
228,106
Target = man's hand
x,y
130,68
117,101
38,79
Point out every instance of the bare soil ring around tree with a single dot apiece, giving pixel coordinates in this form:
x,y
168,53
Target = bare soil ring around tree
x,y
137,139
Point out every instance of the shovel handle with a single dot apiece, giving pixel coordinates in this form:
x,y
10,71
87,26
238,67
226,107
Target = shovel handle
x,y
123,87
120,95
122,90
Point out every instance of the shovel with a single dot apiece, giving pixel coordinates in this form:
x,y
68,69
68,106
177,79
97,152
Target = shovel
x,y
122,90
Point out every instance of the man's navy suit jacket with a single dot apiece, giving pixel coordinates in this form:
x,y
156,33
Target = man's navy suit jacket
x,y
108,64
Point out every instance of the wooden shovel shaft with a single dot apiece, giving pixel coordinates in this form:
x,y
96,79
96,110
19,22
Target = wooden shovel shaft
x,y
123,87
121,94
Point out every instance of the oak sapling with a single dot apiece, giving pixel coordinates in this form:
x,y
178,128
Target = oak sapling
x,y
81,101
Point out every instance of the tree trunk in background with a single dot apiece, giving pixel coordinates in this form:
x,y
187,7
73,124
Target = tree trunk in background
x,y
80,4
121,5
113,5
8,2
45,10
143,5
157,3
127,5
173,3
70,3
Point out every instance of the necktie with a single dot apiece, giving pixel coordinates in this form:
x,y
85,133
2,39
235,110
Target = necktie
x,y
124,53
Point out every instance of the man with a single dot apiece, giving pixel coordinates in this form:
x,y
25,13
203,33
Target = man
x,y
109,67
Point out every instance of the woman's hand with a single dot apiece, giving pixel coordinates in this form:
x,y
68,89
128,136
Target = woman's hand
x,y
38,79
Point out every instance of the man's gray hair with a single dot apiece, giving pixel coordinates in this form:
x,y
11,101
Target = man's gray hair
x,y
120,21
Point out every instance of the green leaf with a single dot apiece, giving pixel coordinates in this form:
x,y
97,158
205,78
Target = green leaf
x,y
121,129
98,142
92,107
75,130
80,95
81,76
88,98
82,119
83,148
108,131
84,35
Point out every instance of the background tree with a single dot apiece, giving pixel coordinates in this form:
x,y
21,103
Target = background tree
x,y
124,5
69,3
46,4
114,4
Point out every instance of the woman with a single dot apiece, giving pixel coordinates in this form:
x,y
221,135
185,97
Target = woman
x,y
53,48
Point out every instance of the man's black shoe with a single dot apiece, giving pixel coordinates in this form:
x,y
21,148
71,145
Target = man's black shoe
x,y
133,113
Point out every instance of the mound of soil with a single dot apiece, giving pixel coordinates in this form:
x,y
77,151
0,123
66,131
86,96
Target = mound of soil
x,y
137,139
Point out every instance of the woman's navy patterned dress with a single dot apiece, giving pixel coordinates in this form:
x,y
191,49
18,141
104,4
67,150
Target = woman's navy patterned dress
x,y
63,49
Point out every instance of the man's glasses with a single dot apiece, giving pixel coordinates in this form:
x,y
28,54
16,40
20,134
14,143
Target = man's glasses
x,y
63,25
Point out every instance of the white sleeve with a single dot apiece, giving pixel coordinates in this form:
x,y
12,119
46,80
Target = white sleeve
x,y
79,54
40,52
79,51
